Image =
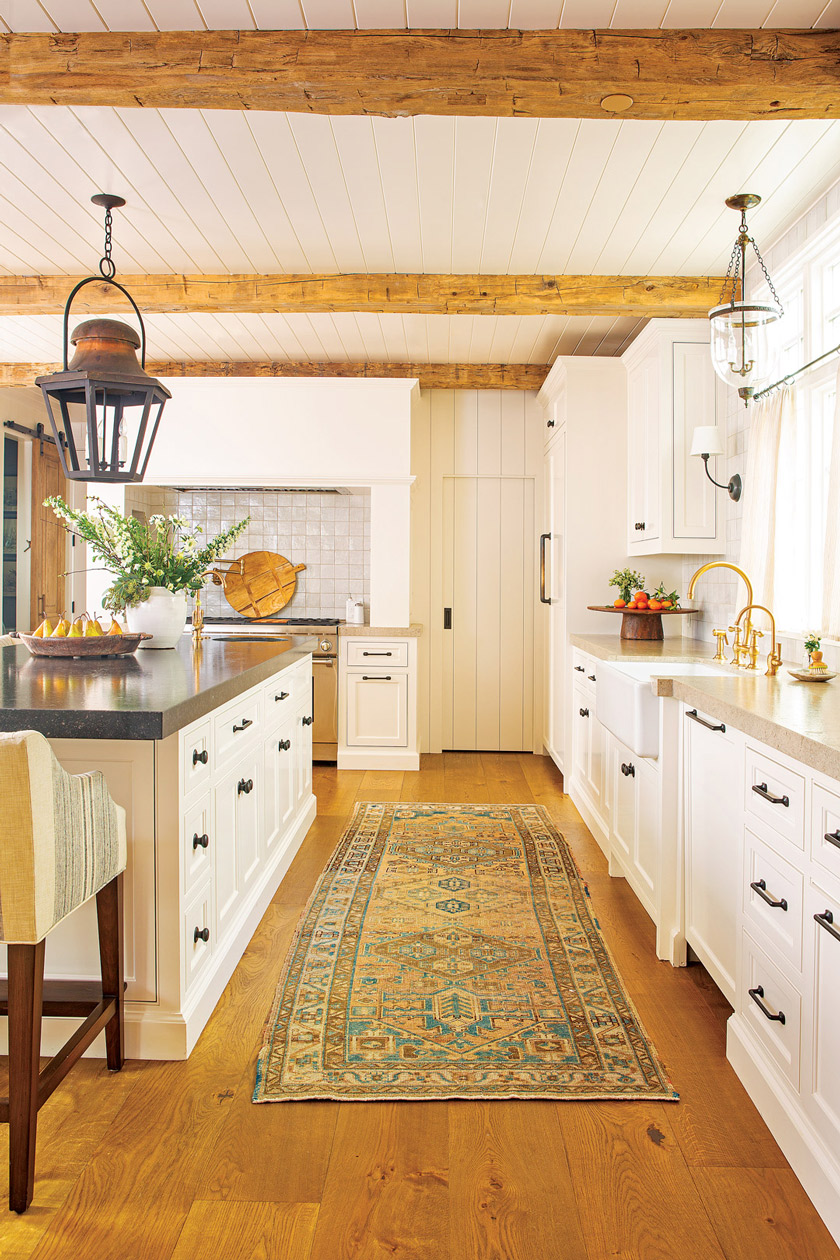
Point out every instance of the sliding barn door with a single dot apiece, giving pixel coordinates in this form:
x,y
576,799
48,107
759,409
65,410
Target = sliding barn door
x,y
488,584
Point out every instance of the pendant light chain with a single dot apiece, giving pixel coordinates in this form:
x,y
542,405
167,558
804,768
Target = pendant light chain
x,y
107,266
770,284
733,271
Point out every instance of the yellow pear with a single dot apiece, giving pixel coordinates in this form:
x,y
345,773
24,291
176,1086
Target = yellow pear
x,y
39,632
61,629
93,629
46,628
77,629
115,627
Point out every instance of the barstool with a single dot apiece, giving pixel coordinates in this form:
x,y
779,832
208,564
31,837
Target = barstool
x,y
62,841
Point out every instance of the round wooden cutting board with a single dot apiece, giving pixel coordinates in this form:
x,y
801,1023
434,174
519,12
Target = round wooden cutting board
x,y
259,584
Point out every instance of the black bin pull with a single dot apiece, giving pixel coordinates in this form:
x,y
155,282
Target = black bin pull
x,y
761,790
757,994
246,722
760,886
580,669
826,920
833,837
284,695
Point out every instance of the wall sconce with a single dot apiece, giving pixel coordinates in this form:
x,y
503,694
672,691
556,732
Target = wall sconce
x,y
708,441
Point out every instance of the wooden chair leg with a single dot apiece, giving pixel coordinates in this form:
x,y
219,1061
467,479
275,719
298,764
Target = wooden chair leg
x,y
26,987
109,914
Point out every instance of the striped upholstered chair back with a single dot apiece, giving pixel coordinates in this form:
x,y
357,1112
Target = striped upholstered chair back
x,y
62,838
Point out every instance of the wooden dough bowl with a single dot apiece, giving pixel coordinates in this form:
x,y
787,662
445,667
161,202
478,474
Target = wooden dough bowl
x,y
259,584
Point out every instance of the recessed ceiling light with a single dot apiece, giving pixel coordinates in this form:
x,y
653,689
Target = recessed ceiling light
x,y
617,103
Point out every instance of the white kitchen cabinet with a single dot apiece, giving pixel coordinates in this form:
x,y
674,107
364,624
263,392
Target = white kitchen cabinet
x,y
635,823
587,769
377,717
553,595
236,809
280,794
377,710
822,923
672,507
713,778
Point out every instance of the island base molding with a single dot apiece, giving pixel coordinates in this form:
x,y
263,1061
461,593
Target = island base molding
x,y
379,759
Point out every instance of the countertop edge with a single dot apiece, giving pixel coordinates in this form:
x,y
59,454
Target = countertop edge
x,y
413,631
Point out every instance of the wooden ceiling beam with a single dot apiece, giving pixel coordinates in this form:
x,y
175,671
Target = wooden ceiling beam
x,y
691,74
640,296
431,375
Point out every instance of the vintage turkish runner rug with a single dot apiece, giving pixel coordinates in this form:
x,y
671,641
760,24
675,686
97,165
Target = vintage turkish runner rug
x,y
450,951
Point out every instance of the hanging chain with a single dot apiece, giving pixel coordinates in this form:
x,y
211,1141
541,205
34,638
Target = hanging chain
x,y
733,271
731,275
107,266
770,284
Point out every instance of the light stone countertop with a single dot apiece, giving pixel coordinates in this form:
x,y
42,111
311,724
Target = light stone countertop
x,y
382,632
799,719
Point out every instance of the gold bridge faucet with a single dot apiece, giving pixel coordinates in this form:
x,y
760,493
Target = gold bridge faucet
x,y
741,646
774,656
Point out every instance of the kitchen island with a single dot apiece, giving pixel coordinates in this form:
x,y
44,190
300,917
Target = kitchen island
x,y
209,751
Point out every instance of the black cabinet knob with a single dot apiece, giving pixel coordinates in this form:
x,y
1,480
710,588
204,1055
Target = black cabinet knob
x,y
639,525
244,785
202,756
201,934
307,721
243,726
284,695
583,712
284,745
200,842
629,771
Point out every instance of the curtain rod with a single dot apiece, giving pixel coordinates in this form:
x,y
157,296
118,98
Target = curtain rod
x,y
786,380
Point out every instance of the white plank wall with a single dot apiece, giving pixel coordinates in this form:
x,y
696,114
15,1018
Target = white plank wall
x,y
477,460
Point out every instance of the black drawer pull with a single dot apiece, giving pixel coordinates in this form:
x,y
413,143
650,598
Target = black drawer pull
x,y
246,722
307,721
580,669
629,771
760,789
376,677
833,837
377,653
710,726
757,994
639,525
583,712
202,756
760,887
201,934
591,677
826,920
244,785
200,842
284,745
284,695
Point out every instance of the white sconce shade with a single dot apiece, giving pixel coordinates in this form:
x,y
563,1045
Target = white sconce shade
x,y
707,440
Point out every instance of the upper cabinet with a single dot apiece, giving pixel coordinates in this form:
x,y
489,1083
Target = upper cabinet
x,y
671,389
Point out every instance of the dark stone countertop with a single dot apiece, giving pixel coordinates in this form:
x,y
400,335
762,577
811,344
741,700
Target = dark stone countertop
x,y
148,695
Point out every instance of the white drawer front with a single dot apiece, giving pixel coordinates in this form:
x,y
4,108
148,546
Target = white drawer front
x,y
825,829
236,725
773,897
195,756
776,795
197,922
394,653
584,668
280,697
196,838
772,1007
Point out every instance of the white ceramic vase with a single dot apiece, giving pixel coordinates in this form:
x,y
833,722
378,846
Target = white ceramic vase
x,y
163,615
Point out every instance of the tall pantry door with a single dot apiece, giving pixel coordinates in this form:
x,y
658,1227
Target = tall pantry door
x,y
489,584
554,509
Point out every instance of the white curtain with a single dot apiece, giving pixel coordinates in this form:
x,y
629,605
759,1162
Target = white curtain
x,y
831,577
770,450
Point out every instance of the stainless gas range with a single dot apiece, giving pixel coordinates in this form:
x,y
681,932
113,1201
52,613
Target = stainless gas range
x,y
324,666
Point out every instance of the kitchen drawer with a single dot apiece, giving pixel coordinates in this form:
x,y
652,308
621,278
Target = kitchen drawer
x,y
197,918
393,653
236,725
584,668
195,756
280,696
197,840
780,924
775,794
779,1037
825,829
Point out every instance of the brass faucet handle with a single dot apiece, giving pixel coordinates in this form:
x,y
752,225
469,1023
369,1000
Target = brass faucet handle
x,y
774,661
738,648
752,650
722,641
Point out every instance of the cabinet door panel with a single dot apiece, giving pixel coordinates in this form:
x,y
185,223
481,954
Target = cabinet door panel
x,y
623,830
646,853
377,710
228,888
643,454
695,504
279,783
825,1020
302,751
582,706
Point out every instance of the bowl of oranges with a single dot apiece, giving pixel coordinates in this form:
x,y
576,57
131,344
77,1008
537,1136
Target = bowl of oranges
x,y
81,636
641,613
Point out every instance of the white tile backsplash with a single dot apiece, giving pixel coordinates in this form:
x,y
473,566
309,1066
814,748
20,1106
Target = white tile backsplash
x,y
329,533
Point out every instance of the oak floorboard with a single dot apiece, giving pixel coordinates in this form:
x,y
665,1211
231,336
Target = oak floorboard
x,y
427,783
464,780
716,1123
247,1231
381,785
387,1188
763,1212
510,1178
509,785
337,789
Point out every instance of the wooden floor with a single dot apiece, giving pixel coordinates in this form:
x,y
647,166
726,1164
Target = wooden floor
x,y
172,1161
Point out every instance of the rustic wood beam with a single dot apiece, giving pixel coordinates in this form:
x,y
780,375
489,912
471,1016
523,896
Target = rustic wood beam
x,y
431,375
640,296
693,74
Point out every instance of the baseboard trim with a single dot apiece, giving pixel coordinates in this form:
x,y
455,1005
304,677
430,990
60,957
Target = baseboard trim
x,y
377,759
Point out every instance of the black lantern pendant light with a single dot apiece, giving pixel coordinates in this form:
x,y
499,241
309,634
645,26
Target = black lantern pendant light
x,y
104,408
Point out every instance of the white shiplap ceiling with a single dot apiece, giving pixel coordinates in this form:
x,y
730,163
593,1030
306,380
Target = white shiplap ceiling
x,y
169,15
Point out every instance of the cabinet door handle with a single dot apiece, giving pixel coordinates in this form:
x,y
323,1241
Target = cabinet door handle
x,y
757,994
760,789
376,677
583,712
833,837
591,677
284,695
629,771
244,785
243,726
377,653
710,726
201,934
639,525
306,721
202,756
826,920
580,669
759,886
200,842
284,745
544,599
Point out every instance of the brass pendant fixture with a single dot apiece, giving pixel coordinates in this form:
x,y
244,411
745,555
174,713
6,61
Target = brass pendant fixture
x,y
104,408
744,346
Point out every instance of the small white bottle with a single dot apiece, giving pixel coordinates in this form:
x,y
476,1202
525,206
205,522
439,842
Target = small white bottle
x,y
349,610
358,618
